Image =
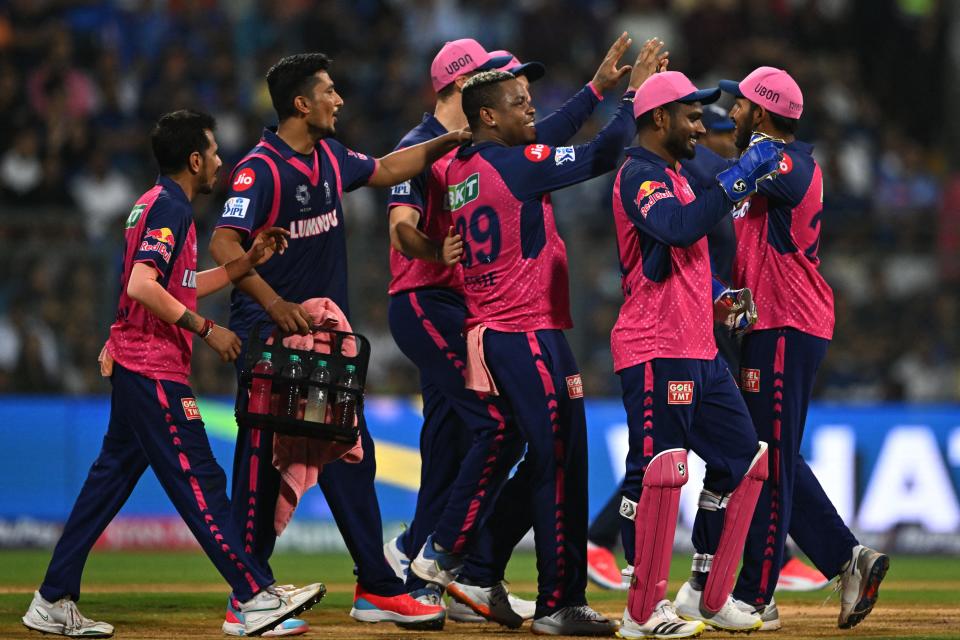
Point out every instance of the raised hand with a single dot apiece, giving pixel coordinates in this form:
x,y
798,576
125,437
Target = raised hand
x,y
608,74
649,61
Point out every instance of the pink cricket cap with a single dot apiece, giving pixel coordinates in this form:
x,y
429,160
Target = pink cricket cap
x,y
771,88
666,87
532,70
459,57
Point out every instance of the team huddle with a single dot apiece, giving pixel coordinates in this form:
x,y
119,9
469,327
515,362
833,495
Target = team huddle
x,y
479,302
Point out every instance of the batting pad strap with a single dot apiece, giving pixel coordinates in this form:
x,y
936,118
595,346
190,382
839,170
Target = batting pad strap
x,y
736,523
655,523
702,562
711,501
628,508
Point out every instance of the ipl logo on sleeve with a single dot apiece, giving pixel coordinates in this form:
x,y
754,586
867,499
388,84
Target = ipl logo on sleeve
x,y
402,189
235,207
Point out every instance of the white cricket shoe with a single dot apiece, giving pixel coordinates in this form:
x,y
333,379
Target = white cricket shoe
x,y
436,565
729,618
63,618
397,557
860,585
663,623
271,606
769,615
574,621
626,577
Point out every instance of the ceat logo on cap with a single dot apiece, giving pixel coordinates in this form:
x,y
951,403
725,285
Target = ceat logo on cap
x,y
244,179
536,152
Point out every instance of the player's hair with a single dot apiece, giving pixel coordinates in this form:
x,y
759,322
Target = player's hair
x,y
448,91
645,119
482,90
783,125
293,76
177,135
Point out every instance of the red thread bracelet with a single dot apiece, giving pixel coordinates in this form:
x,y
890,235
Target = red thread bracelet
x,y
207,329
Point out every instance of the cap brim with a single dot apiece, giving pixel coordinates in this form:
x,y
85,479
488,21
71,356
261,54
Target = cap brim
x,y
704,96
532,70
495,63
732,87
721,125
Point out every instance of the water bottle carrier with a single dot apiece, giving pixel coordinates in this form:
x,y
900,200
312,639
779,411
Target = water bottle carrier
x,y
337,362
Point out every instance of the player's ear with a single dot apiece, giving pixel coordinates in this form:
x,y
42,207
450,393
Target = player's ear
x,y
301,104
194,162
487,117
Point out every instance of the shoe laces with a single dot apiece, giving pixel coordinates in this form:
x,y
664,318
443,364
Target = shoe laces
x,y
73,618
666,611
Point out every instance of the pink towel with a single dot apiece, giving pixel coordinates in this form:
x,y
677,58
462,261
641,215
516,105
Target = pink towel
x,y
479,377
300,460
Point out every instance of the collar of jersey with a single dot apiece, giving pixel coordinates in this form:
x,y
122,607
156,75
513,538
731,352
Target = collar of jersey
x,y
475,147
642,153
173,189
292,157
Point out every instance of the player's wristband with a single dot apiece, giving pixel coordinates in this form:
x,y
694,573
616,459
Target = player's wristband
x,y
207,329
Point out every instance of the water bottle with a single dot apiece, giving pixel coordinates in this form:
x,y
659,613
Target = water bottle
x,y
317,394
260,388
345,408
292,374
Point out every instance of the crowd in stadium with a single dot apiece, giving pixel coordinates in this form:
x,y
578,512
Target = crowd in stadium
x,y
80,83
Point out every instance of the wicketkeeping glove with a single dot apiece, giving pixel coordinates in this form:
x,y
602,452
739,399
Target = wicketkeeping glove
x,y
759,162
735,310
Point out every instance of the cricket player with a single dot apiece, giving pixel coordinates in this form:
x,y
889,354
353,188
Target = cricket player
x,y
778,239
515,280
294,178
427,313
677,391
154,419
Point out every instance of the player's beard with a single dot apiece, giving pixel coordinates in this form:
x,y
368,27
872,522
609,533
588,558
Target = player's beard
x,y
746,130
678,145
318,133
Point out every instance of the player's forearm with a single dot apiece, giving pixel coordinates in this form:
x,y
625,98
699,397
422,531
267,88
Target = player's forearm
x,y
232,271
226,250
406,163
157,300
407,239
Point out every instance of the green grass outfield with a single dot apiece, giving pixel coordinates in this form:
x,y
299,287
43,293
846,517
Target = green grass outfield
x,y
179,594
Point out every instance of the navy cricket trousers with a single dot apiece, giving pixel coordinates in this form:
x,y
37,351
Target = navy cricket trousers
x,y
153,423
348,489
467,443
704,413
538,376
778,367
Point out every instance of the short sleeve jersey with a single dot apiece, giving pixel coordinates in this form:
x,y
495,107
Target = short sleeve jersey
x,y
160,233
276,186
778,240
661,224
515,263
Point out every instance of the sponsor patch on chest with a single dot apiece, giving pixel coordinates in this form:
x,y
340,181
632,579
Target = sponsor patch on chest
x,y
575,386
750,380
680,392
190,408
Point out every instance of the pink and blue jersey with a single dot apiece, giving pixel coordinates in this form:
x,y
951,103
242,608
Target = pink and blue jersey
x,y
276,186
159,232
668,290
514,262
778,239
427,193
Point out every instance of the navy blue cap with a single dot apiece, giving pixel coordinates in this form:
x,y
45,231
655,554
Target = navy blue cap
x,y
717,119
495,63
703,96
732,87
532,70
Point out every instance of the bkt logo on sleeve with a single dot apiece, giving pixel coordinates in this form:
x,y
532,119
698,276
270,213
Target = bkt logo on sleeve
x,y
402,189
464,192
235,208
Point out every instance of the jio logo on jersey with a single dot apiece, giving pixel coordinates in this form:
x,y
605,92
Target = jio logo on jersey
x,y
244,179
537,152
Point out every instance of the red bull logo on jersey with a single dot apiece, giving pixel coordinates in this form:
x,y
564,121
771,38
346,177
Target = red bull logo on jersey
x,y
680,392
651,192
160,241
464,192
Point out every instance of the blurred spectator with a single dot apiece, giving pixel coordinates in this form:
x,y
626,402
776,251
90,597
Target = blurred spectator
x,y
82,82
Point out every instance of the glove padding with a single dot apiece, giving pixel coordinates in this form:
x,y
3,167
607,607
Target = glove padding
x,y
759,162
735,310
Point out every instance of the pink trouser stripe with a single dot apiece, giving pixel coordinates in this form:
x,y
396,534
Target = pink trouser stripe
x,y
648,409
779,363
198,491
473,508
559,453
